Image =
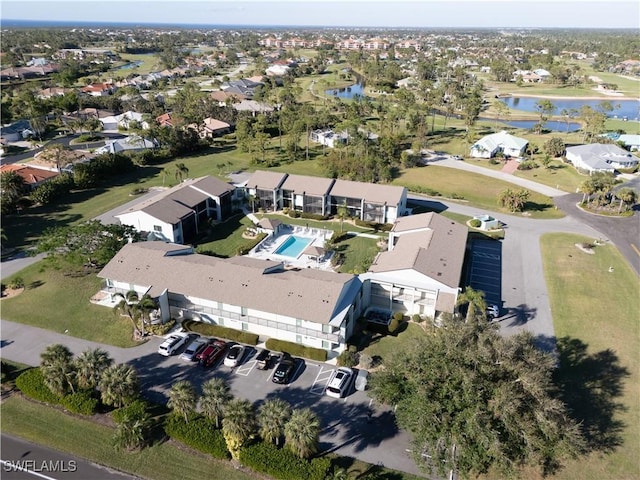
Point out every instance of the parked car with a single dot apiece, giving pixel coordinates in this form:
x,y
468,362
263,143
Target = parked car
x,y
263,359
493,311
361,380
340,382
212,353
457,157
172,343
234,356
284,369
194,348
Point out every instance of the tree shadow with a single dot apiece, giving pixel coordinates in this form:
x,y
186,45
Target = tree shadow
x,y
590,385
537,207
519,315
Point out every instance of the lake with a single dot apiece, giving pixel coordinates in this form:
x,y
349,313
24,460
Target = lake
x,y
130,65
621,108
355,90
553,125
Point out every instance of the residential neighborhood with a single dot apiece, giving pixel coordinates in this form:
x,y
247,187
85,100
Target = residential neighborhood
x,y
266,250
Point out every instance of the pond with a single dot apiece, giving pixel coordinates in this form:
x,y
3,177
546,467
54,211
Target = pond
x,y
629,109
553,125
130,65
350,92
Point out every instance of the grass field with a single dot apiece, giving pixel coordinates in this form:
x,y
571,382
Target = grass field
x,y
150,63
599,311
450,182
59,302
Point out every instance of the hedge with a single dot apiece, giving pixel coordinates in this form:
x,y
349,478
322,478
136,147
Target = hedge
x,y
382,227
283,464
81,402
246,248
296,349
200,433
31,383
161,328
222,332
135,409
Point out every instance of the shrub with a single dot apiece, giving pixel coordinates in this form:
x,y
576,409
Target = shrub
x,y
294,213
31,383
348,359
219,331
395,322
475,223
527,165
160,329
200,433
135,409
17,282
417,318
283,464
366,361
382,227
139,191
296,349
246,248
81,402
313,216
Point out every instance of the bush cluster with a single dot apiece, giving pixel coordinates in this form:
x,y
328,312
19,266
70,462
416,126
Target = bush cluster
x,y
82,402
314,216
15,283
297,350
160,329
199,433
222,332
527,165
348,359
475,223
31,383
283,464
396,320
246,248
378,227
425,190
135,409
56,188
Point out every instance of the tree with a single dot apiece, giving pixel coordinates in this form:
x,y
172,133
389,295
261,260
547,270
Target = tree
x,y
474,400
131,432
143,307
554,147
181,171
272,418
343,212
89,367
513,200
238,425
182,399
545,109
127,307
58,369
477,305
12,189
118,385
215,396
627,196
88,244
301,432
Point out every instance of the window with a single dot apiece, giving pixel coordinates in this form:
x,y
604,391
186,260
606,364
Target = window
x,y
298,322
298,338
157,228
245,326
325,345
326,329
243,311
220,321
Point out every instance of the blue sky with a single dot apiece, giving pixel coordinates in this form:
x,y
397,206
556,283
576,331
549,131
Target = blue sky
x,y
365,13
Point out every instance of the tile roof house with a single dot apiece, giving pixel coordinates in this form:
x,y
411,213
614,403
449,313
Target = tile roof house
x,y
33,177
305,306
490,145
99,89
212,127
421,270
180,213
600,157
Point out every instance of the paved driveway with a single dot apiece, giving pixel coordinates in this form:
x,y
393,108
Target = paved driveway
x,y
485,269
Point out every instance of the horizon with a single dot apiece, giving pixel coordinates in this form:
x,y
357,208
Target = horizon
x,y
366,14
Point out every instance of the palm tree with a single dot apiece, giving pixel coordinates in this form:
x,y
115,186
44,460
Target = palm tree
x,y
215,396
475,300
301,432
272,417
164,172
252,201
143,308
587,188
126,307
12,186
119,385
182,398
343,212
238,425
90,365
181,171
58,369
131,433
627,196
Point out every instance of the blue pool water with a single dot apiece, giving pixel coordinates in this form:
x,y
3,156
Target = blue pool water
x,y
293,246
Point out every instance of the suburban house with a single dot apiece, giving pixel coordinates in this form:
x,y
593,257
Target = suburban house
x,y
16,131
600,157
490,145
245,87
223,98
213,128
420,272
253,107
367,201
124,120
180,213
305,306
132,143
99,89
33,177
328,137
632,142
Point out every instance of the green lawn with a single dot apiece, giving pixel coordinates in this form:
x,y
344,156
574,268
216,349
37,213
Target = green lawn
x,y
150,63
77,436
599,311
60,302
480,191
359,253
386,347
225,238
559,175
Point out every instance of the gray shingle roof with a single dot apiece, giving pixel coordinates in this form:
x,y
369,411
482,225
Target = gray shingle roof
x,y
370,192
316,186
265,180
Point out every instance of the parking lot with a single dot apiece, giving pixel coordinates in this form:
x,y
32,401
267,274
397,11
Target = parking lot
x,y
485,271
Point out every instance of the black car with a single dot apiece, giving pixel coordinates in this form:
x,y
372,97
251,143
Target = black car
x,y
284,369
263,359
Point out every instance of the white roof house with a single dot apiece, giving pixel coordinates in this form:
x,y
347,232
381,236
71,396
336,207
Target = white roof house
x,y
631,141
123,120
490,145
600,157
132,143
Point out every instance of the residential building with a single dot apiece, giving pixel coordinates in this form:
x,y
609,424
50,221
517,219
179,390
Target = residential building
x,y
99,89
132,143
420,272
33,177
265,188
600,157
490,145
305,306
307,194
213,128
16,131
369,202
124,120
328,137
179,214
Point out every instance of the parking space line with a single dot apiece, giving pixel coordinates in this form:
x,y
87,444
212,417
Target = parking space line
x,y
246,368
321,380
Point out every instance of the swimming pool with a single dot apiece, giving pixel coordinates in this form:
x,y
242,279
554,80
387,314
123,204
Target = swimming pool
x,y
293,246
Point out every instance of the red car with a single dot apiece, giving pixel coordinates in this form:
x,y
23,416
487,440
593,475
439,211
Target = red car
x,y
212,353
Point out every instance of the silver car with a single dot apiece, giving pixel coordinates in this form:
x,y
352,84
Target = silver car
x,y
193,349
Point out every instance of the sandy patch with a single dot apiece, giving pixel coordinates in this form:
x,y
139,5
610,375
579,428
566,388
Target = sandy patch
x,y
11,292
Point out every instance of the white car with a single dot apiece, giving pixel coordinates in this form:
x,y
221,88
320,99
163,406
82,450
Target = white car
x,y
339,383
172,343
493,311
234,355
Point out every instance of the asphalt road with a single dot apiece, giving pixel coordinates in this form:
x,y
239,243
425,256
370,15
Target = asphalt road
x,y
22,460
